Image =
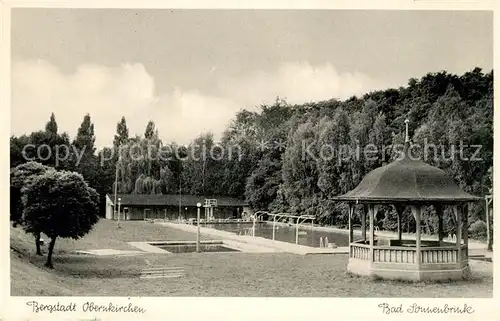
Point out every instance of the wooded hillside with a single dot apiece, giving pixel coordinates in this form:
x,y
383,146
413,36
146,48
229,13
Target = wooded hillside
x,y
293,158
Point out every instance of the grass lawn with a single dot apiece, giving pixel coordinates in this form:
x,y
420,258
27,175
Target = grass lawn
x,y
106,235
207,274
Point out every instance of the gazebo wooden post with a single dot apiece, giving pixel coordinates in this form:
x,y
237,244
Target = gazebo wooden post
x,y
416,209
370,213
399,211
465,227
439,213
351,212
372,209
489,239
457,209
400,231
363,222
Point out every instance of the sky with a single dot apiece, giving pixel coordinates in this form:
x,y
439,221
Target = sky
x,y
191,71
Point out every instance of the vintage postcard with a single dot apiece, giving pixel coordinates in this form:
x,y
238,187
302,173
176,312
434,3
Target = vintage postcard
x,y
225,160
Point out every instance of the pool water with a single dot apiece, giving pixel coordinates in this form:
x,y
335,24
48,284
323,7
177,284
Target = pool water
x,y
286,233
190,248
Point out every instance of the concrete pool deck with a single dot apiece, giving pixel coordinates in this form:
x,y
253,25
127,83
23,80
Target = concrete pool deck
x,y
259,242
105,252
147,247
241,247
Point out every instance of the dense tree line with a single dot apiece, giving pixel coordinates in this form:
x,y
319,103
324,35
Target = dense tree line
x,y
272,157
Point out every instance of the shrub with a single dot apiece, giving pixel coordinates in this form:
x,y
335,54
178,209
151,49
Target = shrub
x,y
21,176
478,229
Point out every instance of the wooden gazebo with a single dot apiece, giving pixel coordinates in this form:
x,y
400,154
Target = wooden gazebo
x,y
409,182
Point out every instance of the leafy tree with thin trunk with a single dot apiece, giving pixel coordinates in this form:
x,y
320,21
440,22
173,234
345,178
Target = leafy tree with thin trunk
x,y
59,204
21,176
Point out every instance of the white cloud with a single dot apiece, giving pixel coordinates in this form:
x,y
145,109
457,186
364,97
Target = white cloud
x,y
299,82
39,88
107,94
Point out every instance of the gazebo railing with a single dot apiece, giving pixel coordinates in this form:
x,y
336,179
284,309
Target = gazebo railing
x,y
394,254
434,255
359,251
403,254
443,254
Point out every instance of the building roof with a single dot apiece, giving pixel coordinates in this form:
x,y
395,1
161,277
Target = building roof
x,y
407,180
173,199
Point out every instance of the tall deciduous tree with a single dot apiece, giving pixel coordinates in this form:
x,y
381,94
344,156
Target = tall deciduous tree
x,y
84,145
200,166
150,131
51,126
121,136
85,137
104,175
267,133
333,161
300,173
49,147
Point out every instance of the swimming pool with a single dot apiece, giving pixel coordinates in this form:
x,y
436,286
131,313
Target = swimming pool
x,y
190,246
307,236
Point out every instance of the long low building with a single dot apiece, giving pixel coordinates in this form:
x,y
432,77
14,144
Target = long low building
x,y
172,207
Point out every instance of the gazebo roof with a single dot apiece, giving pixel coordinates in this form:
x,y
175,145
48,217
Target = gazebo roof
x,y
407,180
